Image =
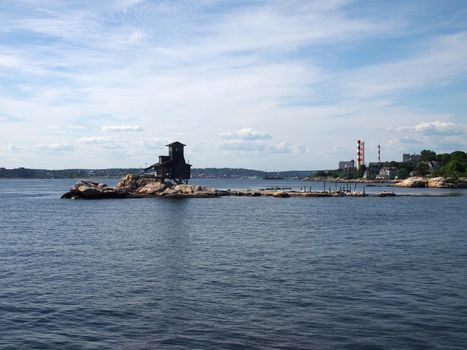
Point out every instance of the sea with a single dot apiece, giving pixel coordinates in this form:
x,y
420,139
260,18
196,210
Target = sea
x,y
232,272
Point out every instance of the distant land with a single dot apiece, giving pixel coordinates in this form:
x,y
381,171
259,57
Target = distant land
x,y
197,173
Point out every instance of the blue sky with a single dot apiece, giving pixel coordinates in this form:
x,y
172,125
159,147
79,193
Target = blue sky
x,y
270,85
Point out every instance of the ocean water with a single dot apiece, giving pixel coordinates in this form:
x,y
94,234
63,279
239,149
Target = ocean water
x,y
232,272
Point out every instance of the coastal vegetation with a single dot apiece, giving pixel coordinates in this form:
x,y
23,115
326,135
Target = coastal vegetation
x,y
428,164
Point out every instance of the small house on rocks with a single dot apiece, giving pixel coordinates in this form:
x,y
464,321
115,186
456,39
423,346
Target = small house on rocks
x,y
172,167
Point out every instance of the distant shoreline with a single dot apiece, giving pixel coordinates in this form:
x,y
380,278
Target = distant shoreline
x,y
116,173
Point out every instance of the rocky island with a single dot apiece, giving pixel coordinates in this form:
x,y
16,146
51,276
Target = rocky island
x,y
144,186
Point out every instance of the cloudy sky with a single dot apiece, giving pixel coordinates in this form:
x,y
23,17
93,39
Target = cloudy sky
x,y
270,85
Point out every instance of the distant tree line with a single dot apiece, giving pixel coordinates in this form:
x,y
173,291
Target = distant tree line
x,y
218,173
26,173
225,173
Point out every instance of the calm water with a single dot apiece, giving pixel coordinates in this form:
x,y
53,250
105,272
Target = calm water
x,y
231,273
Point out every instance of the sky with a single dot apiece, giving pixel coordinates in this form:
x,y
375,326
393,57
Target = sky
x,y
267,85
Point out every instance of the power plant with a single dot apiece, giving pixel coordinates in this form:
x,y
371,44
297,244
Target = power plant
x,y
348,165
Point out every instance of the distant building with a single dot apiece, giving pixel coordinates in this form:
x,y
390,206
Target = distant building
x,y
410,158
347,165
387,173
173,167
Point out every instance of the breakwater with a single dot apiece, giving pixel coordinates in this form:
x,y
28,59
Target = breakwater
x,y
135,186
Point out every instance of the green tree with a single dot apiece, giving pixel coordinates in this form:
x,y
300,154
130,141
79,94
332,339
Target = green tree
x,y
361,171
427,155
443,158
422,169
459,156
402,173
454,168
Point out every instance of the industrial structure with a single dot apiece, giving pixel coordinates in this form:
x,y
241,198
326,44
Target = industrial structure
x,y
410,158
347,165
360,153
172,167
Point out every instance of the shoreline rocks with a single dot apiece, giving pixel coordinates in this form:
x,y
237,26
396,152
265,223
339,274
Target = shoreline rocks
x,y
434,182
144,186
148,186
136,186
86,189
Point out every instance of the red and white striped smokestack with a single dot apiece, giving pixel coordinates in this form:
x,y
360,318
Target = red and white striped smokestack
x,y
359,153
363,152
379,154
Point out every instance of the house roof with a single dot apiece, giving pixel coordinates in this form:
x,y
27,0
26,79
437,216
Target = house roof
x,y
159,164
176,143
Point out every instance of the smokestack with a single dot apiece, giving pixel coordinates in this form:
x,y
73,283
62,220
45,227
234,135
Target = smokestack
x,y
363,152
359,153
379,154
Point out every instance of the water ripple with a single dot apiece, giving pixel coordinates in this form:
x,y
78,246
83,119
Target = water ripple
x,y
231,273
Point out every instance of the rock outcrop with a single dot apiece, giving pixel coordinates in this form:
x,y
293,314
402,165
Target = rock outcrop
x,y
152,188
85,189
412,182
434,182
136,186
280,195
447,182
133,182
190,191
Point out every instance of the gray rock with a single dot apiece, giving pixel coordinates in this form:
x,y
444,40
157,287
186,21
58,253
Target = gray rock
x,y
85,189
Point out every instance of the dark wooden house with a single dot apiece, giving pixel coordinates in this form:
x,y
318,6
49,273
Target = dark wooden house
x,y
173,167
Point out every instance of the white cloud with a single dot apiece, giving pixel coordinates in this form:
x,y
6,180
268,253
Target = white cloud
x,y
246,134
282,147
54,147
261,146
438,135
10,61
15,148
44,147
237,145
66,129
155,142
118,128
107,142
136,36
96,139
439,127
284,25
